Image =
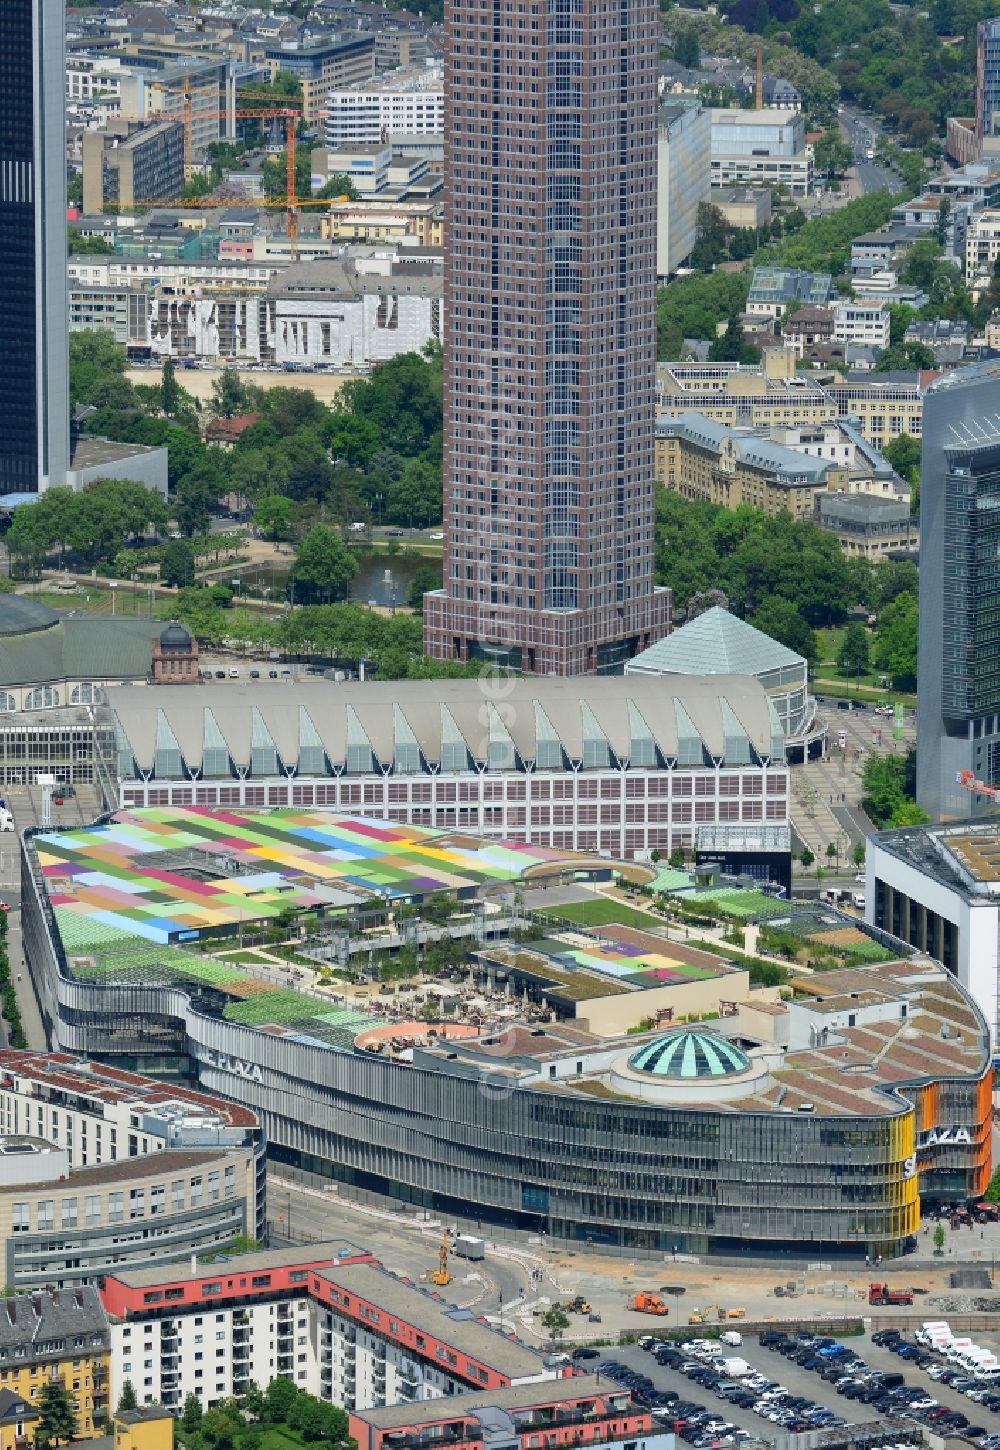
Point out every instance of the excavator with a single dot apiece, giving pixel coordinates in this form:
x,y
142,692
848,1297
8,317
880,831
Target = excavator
x,y
442,1275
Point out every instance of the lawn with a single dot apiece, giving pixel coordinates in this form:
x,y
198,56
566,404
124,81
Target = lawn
x,y
600,912
280,1437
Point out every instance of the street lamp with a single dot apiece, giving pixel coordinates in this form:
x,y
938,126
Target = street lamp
x,y
113,585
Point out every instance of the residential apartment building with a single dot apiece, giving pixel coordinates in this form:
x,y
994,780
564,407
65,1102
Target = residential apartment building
x,y
597,766
127,164
982,248
104,88
329,1318
323,68
761,148
64,1336
395,106
861,322
884,404
683,180
550,276
702,459
586,1411
100,1166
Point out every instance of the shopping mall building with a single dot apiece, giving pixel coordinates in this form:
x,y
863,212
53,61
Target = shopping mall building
x,y
818,1124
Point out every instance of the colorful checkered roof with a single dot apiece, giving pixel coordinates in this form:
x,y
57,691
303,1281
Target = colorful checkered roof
x,y
115,876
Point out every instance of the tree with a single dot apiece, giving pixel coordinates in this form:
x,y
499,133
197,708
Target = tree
x,y
57,1420
196,495
713,233
231,395
177,564
687,51
170,389
939,1238
425,578
556,1322
324,566
833,853
191,1414
904,455
279,1399
732,347
782,621
858,854
127,1399
853,655
806,857
273,516
896,641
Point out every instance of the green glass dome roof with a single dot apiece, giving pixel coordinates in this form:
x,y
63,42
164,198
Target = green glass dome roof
x,y
691,1054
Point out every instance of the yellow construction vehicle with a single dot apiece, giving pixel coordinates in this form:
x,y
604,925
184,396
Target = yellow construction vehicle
x,y
578,1305
703,1316
442,1276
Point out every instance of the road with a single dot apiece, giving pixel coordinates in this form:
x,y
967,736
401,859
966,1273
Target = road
x,y
408,1242
863,134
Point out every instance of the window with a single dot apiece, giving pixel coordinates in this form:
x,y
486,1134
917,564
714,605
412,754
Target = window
x,y
21,1222
86,694
7,701
44,698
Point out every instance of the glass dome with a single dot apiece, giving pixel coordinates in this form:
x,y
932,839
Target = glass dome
x,y
689,1055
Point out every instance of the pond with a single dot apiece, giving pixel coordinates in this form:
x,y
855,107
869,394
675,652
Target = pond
x,y
381,579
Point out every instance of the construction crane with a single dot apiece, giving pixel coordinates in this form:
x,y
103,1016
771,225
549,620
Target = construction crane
x,y
442,1276
967,780
292,203
759,96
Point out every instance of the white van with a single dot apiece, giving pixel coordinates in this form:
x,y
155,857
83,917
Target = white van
x,y
6,819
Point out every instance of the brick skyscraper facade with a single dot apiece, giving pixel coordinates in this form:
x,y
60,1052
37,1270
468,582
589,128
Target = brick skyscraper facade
x,y
550,270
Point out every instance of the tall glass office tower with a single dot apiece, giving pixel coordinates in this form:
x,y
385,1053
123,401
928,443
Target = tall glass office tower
x,y
958,670
550,271
34,388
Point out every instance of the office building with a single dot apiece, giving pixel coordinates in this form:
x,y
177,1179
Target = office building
x,y
394,107
937,888
866,523
34,394
128,163
761,148
861,322
61,1336
702,459
324,67
330,1318
550,275
101,1166
982,248
774,289
958,707
683,180
763,395
987,78
884,404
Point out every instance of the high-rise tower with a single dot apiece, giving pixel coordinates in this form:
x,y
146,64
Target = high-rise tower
x,y
550,270
34,363
958,666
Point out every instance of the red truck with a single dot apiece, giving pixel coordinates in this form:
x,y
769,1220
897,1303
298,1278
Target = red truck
x,y
882,1294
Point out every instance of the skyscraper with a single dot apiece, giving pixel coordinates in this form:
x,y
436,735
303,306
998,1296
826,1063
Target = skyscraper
x,y
987,76
34,391
958,669
550,117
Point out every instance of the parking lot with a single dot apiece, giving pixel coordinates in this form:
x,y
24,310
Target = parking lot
x,y
842,1385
